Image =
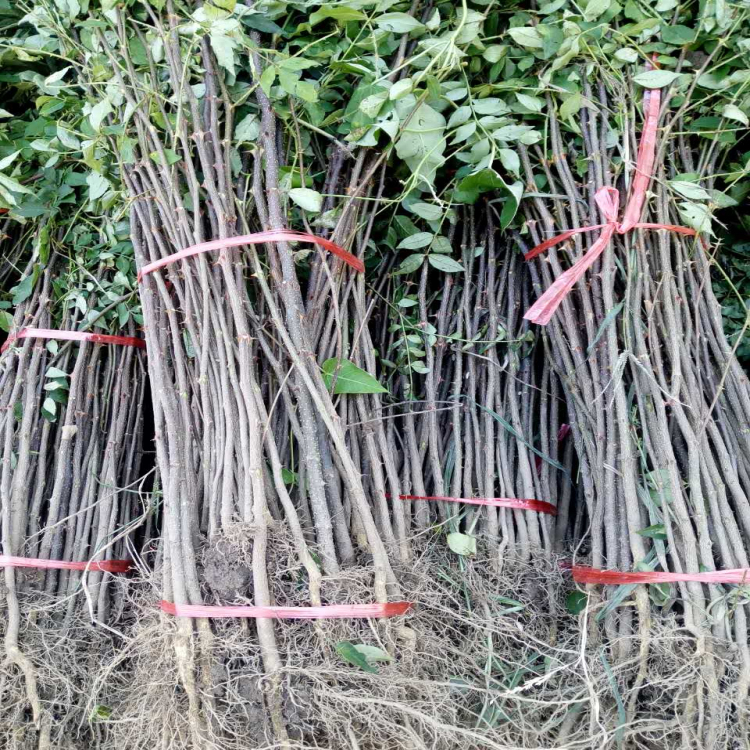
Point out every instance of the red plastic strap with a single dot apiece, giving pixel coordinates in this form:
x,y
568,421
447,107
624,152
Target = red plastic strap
x,y
257,238
583,574
608,200
108,566
96,338
331,612
499,502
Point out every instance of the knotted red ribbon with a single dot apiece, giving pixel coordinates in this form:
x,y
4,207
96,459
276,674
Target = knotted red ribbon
x,y
95,338
257,238
329,612
608,200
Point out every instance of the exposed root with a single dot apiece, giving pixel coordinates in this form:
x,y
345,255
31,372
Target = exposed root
x,y
478,664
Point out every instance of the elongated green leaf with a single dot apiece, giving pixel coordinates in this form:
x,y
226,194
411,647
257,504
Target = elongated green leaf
x,y
6,321
399,23
350,379
372,653
310,200
527,36
608,318
509,427
657,531
349,653
445,263
656,79
23,290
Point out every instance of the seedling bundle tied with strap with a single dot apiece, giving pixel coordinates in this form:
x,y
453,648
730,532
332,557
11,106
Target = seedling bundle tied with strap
x,y
408,419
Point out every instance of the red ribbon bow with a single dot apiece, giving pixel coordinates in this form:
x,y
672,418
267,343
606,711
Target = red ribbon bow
x,y
608,200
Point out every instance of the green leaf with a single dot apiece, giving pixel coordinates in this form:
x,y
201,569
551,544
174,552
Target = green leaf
x,y
464,132
490,106
398,23
350,379
576,601
54,372
372,653
689,190
510,160
527,36
532,103
460,116
608,318
101,713
248,129
471,187
8,160
549,8
626,54
595,8
310,200
445,263
288,477
441,245
98,185
512,132
225,4
14,186
722,200
422,141
260,23
6,321
659,486
338,13
23,290
517,435
349,653
494,53
223,47
571,106
415,241
401,88
679,35
267,78
656,79
484,181
732,112
98,112
696,216
67,138
657,531
372,104
171,156
49,409
410,264
427,211
462,544
307,91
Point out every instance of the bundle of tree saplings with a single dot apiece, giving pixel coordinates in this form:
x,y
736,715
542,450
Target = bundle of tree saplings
x,y
658,403
71,437
298,402
72,412
264,499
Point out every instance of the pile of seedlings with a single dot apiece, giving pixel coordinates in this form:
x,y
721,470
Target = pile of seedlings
x,y
315,217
